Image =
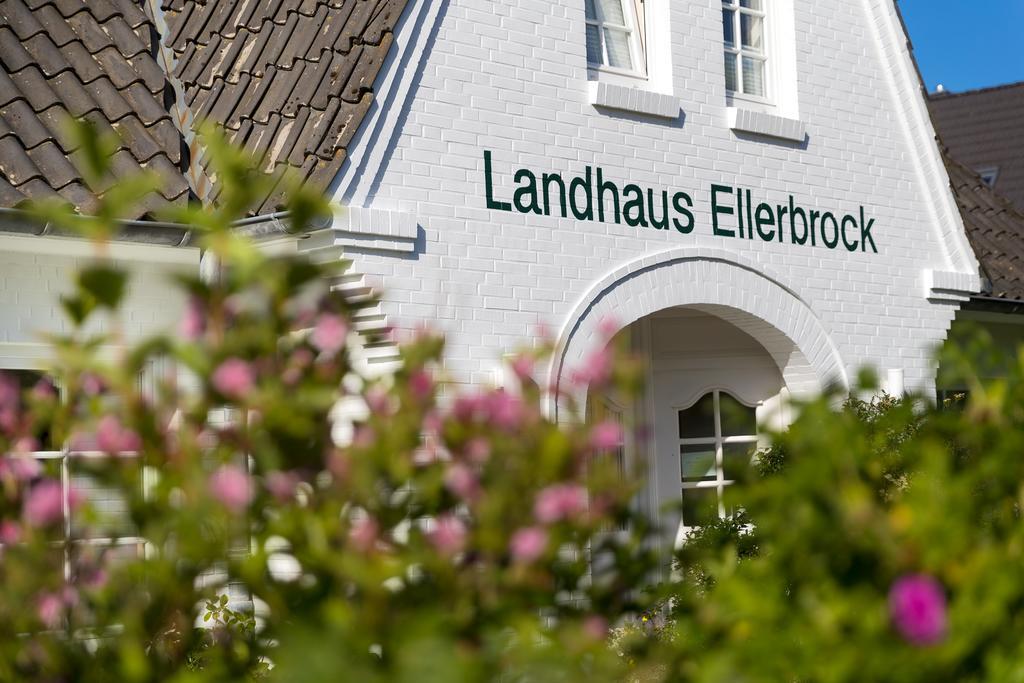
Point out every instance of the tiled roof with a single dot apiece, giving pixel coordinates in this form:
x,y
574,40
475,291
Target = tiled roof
x,y
290,80
984,129
995,229
88,59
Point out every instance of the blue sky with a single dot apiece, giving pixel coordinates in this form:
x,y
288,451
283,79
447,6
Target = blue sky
x,y
966,44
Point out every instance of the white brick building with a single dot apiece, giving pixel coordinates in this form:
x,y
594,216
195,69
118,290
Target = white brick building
x,y
731,129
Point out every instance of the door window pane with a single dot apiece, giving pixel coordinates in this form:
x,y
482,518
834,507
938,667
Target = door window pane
x,y
736,460
700,506
698,421
737,419
698,463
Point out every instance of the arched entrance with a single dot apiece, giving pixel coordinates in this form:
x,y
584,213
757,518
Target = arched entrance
x,y
725,343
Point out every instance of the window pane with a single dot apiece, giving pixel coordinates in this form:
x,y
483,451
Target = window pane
x,y
752,4
700,506
594,55
618,49
729,26
737,419
736,459
752,31
697,463
591,13
698,421
106,515
753,76
731,82
612,11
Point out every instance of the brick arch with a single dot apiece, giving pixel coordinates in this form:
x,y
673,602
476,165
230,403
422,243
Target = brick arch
x,y
716,282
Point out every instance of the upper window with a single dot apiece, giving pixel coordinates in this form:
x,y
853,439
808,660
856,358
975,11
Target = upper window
x,y
746,58
717,442
615,35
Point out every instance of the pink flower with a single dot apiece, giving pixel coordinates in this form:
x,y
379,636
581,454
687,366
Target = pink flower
x,y
528,544
22,468
596,627
50,609
363,534
468,408
10,401
193,323
44,503
231,486
522,365
111,437
462,481
596,370
560,502
608,327
93,384
449,535
282,485
329,334
606,436
338,464
234,378
44,390
10,532
421,384
378,400
917,606
504,410
478,450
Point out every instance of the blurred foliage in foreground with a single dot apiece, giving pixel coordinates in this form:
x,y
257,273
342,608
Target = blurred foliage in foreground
x,y
470,538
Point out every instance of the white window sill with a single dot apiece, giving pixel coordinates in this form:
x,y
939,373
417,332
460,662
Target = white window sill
x,y
769,125
636,100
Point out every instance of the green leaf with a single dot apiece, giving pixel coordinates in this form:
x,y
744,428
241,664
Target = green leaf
x,y
104,283
77,308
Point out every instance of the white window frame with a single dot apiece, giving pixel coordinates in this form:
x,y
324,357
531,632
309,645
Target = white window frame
x,y
740,51
719,483
631,28
32,358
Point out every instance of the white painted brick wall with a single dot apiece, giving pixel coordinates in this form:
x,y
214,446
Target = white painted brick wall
x,y
31,284
510,76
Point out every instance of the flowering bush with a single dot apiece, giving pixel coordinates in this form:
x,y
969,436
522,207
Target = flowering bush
x,y
442,540
291,517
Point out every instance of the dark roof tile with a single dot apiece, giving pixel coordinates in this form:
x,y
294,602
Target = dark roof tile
x,y
90,59
984,129
292,79
995,229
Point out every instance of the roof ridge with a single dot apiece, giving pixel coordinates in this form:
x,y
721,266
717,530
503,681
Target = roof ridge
x,y
946,94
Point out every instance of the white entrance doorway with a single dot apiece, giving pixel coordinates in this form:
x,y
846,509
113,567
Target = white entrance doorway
x,y
712,390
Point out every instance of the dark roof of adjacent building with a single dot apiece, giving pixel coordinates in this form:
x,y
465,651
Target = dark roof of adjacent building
x,y
89,60
984,129
995,229
290,80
